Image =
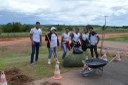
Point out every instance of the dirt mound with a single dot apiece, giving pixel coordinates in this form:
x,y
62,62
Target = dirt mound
x,y
19,80
11,73
15,77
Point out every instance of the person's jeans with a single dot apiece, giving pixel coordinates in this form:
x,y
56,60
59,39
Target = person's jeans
x,y
95,50
50,51
64,50
35,47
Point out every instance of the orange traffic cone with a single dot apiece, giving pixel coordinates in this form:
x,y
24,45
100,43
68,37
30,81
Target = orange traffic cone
x,y
118,56
57,72
3,80
104,57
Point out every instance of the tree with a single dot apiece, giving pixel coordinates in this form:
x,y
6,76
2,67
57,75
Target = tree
x,y
1,30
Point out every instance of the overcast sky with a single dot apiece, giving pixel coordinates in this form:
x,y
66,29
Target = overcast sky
x,y
70,12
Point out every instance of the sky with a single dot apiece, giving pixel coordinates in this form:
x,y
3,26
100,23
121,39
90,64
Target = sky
x,y
68,12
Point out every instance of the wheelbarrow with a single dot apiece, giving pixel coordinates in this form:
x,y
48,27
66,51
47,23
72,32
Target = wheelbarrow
x,y
94,64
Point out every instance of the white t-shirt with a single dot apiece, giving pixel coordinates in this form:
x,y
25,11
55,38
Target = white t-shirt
x,y
36,34
85,36
53,42
93,39
66,36
76,36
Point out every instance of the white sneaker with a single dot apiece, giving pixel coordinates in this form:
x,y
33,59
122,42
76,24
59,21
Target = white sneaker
x,y
32,63
36,62
58,62
49,61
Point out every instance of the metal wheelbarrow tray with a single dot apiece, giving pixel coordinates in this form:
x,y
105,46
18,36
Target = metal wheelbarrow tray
x,y
94,64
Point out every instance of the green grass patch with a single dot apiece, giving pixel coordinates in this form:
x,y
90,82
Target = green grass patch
x,y
20,60
119,38
2,49
20,34
14,35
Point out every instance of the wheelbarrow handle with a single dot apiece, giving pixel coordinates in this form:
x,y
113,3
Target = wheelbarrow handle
x,y
112,59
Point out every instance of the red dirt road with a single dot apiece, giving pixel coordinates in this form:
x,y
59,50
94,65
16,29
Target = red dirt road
x,y
10,41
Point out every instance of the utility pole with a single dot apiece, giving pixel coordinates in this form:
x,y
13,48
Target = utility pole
x,y
105,19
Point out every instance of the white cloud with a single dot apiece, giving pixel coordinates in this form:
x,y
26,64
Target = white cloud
x,y
68,11
120,12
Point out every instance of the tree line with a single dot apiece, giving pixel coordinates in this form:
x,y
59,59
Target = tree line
x,y
18,27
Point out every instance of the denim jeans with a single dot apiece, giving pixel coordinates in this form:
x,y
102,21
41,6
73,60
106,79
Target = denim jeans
x,y
64,49
50,51
95,50
35,47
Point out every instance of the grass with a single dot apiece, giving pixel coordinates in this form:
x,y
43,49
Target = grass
x,y
19,34
120,38
3,49
14,35
20,60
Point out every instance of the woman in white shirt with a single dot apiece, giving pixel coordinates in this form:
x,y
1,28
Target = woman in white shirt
x,y
52,44
75,37
65,42
85,39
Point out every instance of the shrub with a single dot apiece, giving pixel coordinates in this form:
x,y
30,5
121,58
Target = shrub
x,y
74,60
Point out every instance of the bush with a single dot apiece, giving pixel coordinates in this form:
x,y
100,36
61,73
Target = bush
x,y
0,31
74,60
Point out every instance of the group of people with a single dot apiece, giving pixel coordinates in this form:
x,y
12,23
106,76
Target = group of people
x,y
87,39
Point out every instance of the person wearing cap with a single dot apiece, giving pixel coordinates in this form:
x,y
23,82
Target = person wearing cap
x,y
65,42
36,40
52,43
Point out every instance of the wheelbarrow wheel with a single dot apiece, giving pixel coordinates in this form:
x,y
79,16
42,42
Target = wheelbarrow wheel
x,y
85,72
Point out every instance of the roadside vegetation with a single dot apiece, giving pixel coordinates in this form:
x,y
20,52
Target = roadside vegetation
x,y
16,29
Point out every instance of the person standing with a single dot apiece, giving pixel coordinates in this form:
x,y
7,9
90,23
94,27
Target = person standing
x,y
52,44
65,42
85,39
75,38
36,39
94,40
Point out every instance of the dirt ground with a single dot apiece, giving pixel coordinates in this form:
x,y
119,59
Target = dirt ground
x,y
15,77
11,41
